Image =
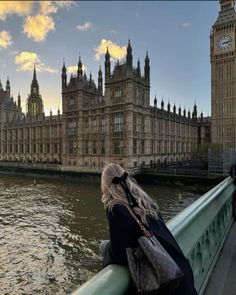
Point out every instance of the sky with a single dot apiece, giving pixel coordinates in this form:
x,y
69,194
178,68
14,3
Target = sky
x,y
175,34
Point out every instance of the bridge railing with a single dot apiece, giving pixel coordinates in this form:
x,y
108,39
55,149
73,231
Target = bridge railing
x,y
200,230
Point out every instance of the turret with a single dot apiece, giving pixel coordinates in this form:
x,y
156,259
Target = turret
x,y
180,110
34,84
85,76
19,102
107,65
80,69
194,114
162,104
100,81
155,101
168,106
174,109
129,57
138,69
147,68
8,88
63,76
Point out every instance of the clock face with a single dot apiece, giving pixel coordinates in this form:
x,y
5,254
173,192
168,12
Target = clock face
x,y
224,42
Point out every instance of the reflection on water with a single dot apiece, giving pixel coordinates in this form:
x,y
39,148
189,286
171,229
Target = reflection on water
x,y
50,233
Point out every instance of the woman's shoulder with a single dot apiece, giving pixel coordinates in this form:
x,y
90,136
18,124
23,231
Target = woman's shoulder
x,y
119,213
118,210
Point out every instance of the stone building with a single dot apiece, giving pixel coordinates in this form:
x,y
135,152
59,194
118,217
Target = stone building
x,y
30,137
223,76
99,125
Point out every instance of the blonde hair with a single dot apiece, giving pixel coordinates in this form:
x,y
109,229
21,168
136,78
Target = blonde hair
x,y
114,193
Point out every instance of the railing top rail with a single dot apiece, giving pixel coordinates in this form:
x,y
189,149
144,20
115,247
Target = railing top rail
x,y
178,223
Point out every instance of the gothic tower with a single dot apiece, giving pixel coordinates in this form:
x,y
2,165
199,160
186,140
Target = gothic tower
x,y
223,76
34,101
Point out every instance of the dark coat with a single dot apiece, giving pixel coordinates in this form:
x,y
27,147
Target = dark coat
x,y
124,233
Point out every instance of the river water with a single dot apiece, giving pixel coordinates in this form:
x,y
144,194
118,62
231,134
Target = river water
x,y
50,232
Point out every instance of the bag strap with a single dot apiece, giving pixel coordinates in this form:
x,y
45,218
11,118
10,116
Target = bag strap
x,y
146,233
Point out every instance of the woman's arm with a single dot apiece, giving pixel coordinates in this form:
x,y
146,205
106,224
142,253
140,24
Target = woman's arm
x,y
123,233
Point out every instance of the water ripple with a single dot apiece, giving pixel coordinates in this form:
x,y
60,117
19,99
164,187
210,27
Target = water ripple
x,y
50,233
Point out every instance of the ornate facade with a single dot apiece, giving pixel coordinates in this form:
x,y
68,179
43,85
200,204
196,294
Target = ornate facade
x,y
99,125
223,76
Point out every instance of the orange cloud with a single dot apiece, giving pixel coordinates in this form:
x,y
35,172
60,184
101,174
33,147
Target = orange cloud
x,y
47,7
38,26
15,7
26,61
5,39
115,50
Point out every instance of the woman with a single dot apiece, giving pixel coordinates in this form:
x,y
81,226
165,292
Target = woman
x,y
120,191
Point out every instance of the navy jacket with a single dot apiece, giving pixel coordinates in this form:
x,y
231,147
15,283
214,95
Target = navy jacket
x,y
124,233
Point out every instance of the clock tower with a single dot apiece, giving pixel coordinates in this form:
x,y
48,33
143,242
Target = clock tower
x,y
223,76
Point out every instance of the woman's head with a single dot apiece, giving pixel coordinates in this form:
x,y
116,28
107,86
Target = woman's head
x,y
115,194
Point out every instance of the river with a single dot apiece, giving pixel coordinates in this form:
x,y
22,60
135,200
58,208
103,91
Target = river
x,y
50,232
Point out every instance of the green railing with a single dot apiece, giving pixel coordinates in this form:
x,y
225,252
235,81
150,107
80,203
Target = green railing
x,y
200,230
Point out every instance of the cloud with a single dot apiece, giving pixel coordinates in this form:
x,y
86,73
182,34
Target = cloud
x,y
48,7
5,39
65,4
115,50
21,8
26,61
113,31
73,69
186,24
85,27
37,27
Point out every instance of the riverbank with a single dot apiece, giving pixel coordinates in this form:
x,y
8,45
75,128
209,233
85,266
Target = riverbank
x,y
59,171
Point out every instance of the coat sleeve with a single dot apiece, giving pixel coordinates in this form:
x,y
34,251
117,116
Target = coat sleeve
x,y
124,233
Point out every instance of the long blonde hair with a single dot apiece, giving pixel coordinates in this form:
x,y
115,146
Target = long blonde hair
x,y
115,194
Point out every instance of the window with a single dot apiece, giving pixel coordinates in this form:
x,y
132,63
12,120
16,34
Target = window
x,y
55,147
143,146
71,125
71,102
103,147
86,147
117,93
117,123
94,147
70,147
86,124
118,147
103,125
135,122
135,146
94,124
143,124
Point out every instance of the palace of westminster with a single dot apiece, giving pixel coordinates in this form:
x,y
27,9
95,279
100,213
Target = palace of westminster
x,y
114,121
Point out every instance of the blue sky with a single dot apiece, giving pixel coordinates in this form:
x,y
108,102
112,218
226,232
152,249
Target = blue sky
x,y
175,34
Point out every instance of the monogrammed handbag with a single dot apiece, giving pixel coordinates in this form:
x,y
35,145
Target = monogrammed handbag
x,y
152,269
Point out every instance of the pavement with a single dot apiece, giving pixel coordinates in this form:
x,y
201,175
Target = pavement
x,y
223,278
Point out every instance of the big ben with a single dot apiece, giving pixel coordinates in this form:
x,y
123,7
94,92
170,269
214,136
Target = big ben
x,y
223,76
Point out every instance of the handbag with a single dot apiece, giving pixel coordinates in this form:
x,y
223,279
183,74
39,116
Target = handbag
x,y
152,269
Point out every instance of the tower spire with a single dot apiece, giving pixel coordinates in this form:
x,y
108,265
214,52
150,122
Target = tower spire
x,y
129,57
107,65
80,69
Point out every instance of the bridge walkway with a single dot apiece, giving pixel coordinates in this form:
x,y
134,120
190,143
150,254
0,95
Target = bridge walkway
x,y
223,278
